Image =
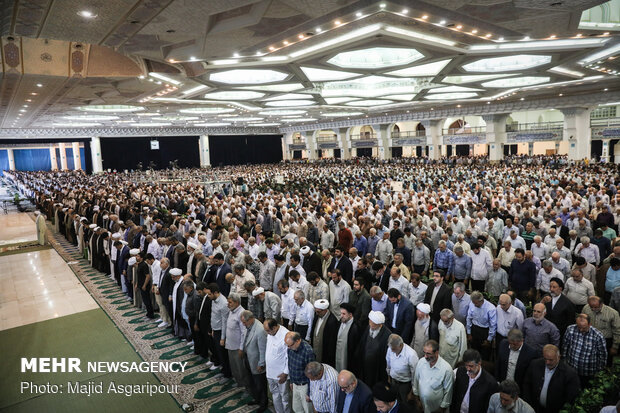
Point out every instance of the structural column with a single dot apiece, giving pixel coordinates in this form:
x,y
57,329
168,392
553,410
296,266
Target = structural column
x,y
11,159
63,156
605,154
53,158
383,140
577,132
77,157
312,145
203,148
343,139
287,139
95,150
433,137
496,135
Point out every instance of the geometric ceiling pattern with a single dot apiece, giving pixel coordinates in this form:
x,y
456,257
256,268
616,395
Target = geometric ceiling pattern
x,y
163,63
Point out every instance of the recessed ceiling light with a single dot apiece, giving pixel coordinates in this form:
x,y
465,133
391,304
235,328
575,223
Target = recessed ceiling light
x,y
526,38
291,103
552,36
501,39
212,124
606,34
234,95
39,85
459,27
341,114
301,36
458,106
337,22
605,90
235,54
579,35
454,95
522,99
517,81
318,30
382,5
192,58
376,57
561,94
272,48
110,108
488,35
474,31
425,17
405,11
442,22
28,100
86,14
285,42
358,14
248,76
507,63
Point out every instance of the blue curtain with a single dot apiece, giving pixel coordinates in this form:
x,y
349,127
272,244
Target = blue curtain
x,y
83,158
32,159
70,162
4,161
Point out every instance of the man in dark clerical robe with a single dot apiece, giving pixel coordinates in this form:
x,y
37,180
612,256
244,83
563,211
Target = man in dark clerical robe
x,y
372,348
104,255
324,333
203,341
94,247
165,289
181,329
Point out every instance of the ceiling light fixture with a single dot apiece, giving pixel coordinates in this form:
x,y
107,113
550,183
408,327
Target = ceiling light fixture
x,y
358,14
318,30
164,78
248,76
39,85
474,31
194,90
337,22
86,14
382,5
459,27
488,35
425,17
405,11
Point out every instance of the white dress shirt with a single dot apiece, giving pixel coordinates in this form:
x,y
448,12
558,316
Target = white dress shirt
x,y
276,356
401,367
507,320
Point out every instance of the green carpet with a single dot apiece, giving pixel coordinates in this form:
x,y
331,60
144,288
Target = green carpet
x,y
90,336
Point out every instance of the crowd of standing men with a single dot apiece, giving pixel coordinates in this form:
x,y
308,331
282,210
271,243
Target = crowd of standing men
x,y
314,290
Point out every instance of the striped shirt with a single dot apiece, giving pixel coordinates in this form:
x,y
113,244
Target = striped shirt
x,y
323,392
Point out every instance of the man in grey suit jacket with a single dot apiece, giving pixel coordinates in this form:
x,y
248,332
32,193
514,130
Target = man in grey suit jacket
x,y
254,346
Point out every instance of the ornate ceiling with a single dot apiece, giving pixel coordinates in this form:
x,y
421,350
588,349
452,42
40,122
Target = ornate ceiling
x,y
281,64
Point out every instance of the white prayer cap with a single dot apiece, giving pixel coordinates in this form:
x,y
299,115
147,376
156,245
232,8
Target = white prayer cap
x,y
321,304
134,251
96,208
305,250
65,209
92,226
175,213
124,242
145,208
425,308
176,272
258,291
192,245
376,317
132,261
116,235
97,228
120,222
37,212
83,219
106,216
196,221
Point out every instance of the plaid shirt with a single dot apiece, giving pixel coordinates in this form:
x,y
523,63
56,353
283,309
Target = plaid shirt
x,y
587,352
297,361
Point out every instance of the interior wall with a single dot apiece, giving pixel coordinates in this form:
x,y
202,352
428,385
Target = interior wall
x,y
126,153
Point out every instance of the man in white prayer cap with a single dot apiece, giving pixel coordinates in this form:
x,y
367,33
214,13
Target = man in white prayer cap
x,y
372,349
41,228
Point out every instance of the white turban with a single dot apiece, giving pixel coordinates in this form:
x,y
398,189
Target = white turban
x,y
134,251
92,226
258,291
176,271
425,308
321,304
376,317
305,250
131,261
192,245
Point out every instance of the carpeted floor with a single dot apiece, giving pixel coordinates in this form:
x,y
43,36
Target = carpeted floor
x,y
90,336
198,387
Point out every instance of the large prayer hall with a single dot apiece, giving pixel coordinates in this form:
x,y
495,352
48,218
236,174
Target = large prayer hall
x,y
310,206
